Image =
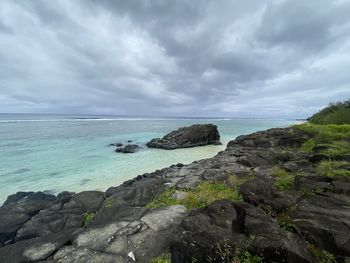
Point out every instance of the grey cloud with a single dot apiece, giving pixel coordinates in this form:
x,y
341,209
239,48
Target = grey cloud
x,y
228,58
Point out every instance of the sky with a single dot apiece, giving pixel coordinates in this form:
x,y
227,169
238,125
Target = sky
x,y
232,58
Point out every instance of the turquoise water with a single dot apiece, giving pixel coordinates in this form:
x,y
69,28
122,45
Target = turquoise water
x,y
57,153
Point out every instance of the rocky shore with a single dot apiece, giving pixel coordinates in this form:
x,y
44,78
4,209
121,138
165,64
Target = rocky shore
x,y
281,208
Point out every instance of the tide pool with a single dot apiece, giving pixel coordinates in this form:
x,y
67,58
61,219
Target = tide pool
x,y
58,153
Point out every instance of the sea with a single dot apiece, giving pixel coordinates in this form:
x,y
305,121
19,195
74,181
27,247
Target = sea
x,y
55,153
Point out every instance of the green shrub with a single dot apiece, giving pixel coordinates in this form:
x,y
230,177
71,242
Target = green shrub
x,y
335,113
206,193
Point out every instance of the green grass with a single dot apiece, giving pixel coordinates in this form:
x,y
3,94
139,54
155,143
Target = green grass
x,y
308,146
165,258
284,180
206,193
325,133
88,218
332,169
321,256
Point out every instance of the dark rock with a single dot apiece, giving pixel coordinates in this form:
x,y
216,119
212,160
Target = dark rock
x,y
130,148
195,135
324,220
118,144
129,141
215,231
316,158
35,249
87,201
137,193
297,166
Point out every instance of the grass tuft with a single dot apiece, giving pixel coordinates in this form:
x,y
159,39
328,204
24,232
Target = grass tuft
x,y
284,180
332,169
321,256
206,193
164,258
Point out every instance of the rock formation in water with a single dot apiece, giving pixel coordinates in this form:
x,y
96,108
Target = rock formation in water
x,y
195,135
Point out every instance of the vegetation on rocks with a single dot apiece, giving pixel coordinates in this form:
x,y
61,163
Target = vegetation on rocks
x,y
206,193
322,256
284,179
332,169
88,218
164,258
335,113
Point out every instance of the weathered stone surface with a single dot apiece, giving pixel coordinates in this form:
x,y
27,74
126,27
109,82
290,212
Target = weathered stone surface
x,y
195,135
324,220
234,223
85,201
35,249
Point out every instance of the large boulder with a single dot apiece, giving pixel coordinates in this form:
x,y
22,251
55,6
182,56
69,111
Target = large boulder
x,y
186,137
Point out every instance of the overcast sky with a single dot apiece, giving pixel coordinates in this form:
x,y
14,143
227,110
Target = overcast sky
x,y
248,58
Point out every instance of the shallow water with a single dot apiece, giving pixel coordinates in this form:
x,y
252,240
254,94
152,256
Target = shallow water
x,y
70,153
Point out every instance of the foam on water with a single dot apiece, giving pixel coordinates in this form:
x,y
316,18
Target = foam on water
x,y
58,153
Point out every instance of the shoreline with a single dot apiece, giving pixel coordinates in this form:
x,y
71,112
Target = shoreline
x,y
151,214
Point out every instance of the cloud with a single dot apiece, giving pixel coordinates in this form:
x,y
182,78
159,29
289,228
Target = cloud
x,y
189,58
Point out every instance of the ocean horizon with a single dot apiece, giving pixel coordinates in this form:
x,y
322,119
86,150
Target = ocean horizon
x,y
70,152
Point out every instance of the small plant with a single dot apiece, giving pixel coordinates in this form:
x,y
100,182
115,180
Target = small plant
x,y
224,252
206,193
109,204
284,180
286,222
321,256
164,258
88,218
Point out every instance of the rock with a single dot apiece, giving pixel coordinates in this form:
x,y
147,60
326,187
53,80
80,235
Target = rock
x,y
324,220
195,135
35,249
179,195
297,166
215,231
118,144
130,148
87,201
137,193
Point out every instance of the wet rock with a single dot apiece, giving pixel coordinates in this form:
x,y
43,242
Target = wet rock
x,y
118,144
195,135
130,148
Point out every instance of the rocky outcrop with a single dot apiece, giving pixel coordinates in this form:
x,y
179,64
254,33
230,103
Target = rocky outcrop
x,y
129,148
116,225
195,135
